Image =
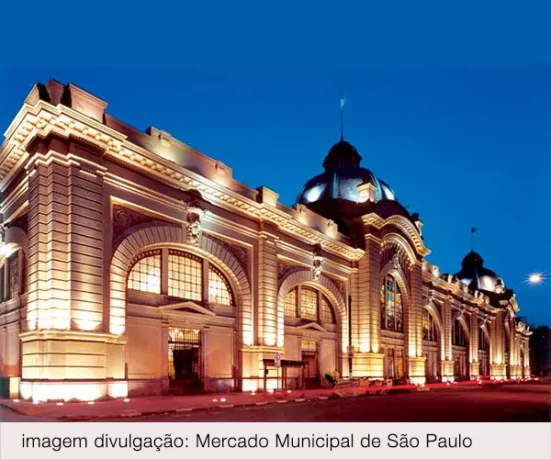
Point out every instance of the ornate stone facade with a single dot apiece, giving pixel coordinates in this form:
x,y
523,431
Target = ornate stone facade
x,y
143,267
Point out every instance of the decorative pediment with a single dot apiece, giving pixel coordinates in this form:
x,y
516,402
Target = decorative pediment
x,y
312,326
188,305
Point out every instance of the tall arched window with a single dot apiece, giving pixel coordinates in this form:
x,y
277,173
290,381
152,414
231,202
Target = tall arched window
x,y
429,326
458,337
482,341
391,305
183,278
309,304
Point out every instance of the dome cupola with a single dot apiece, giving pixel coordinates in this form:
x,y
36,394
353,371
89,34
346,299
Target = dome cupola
x,y
343,174
476,276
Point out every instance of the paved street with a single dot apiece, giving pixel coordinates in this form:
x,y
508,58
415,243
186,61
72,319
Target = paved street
x,y
491,403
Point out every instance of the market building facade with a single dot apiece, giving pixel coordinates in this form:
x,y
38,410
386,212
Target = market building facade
x,y
133,264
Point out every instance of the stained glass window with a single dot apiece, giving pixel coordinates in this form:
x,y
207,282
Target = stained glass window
x,y
290,308
308,304
219,289
391,306
145,275
185,276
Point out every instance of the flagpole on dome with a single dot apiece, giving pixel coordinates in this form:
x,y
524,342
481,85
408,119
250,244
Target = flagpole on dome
x,y
473,230
342,115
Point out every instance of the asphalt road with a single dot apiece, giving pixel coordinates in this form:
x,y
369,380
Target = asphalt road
x,y
487,404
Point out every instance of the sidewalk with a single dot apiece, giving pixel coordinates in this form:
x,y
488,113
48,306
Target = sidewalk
x,y
164,404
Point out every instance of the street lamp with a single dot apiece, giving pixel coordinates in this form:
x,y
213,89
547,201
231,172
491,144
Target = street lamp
x,y
536,278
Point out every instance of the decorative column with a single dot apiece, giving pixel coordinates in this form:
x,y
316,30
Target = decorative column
x,y
447,360
526,369
66,341
368,360
474,370
515,369
268,337
267,289
498,368
414,332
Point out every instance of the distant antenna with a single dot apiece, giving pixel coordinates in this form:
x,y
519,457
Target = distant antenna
x,y
342,115
473,230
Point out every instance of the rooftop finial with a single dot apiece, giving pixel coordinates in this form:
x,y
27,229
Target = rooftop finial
x,y
473,230
342,115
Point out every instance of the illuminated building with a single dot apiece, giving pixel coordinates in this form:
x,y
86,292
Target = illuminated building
x,y
133,264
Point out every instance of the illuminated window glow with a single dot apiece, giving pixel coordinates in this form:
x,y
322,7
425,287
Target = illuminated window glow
x,y
184,279
312,305
327,315
185,276
309,304
219,290
391,306
145,275
291,303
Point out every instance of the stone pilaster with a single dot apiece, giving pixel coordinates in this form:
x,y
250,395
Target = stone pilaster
x,y
474,369
48,232
414,331
498,367
66,339
270,323
367,360
447,360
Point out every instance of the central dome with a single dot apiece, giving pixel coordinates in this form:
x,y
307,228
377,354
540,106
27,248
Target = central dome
x,y
476,276
341,178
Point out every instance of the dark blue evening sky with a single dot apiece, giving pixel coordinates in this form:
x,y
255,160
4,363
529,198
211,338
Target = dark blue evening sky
x,y
451,105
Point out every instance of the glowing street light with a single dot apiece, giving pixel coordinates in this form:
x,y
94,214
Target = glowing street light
x,y
536,278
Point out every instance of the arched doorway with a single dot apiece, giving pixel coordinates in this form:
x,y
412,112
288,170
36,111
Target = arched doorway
x,y
460,344
484,353
311,336
431,346
193,303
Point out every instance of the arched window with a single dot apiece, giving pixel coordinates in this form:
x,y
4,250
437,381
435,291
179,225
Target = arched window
x,y
482,341
429,326
145,275
458,336
183,278
219,289
391,306
309,304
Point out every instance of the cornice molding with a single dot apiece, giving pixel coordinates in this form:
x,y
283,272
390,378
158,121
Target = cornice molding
x,y
402,223
43,119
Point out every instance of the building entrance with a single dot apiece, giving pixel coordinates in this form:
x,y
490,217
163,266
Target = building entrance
x,y
184,359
